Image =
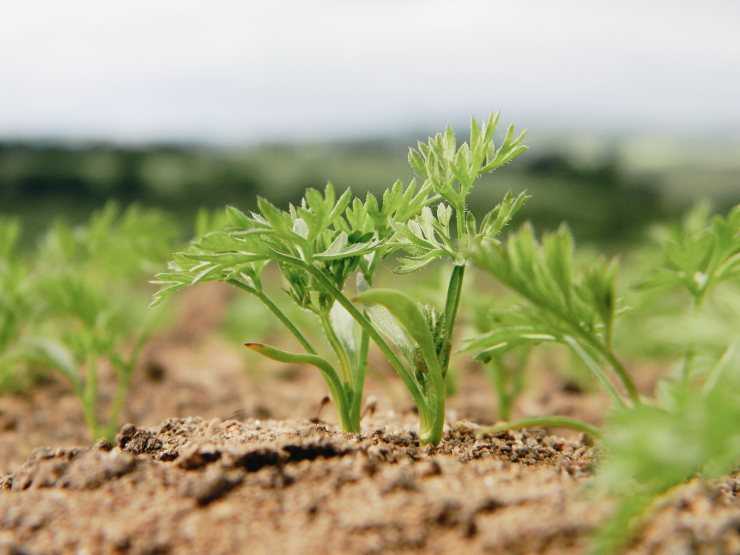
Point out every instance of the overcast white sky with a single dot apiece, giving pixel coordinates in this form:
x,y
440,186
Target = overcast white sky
x,y
248,70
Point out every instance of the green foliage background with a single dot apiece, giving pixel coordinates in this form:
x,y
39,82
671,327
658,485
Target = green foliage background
x,y
606,189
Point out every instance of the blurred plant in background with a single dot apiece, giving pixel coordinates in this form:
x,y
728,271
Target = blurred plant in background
x,y
76,305
650,445
17,308
649,450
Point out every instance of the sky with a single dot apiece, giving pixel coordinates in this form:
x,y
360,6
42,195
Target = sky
x,y
302,69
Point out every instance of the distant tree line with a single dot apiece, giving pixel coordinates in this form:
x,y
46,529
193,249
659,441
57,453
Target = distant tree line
x,y
160,174
598,200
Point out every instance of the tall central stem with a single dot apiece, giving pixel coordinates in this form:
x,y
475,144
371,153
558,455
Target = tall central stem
x,y
452,304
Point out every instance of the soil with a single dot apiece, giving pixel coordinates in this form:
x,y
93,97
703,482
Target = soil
x,y
221,459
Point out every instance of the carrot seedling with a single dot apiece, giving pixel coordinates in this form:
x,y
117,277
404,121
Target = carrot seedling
x,y
324,241
91,315
561,305
17,310
452,172
649,445
318,246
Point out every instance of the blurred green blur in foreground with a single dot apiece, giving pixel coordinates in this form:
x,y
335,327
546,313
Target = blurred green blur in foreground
x,y
608,190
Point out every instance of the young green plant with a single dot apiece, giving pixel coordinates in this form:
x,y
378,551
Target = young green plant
x,y
84,330
690,429
696,257
93,313
17,309
452,172
321,243
649,445
562,304
318,246
650,450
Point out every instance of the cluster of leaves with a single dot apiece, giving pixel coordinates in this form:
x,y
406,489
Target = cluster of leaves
x,y
699,254
650,445
317,246
325,240
453,171
82,312
563,304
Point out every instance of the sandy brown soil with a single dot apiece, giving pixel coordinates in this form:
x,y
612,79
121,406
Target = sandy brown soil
x,y
213,486
221,459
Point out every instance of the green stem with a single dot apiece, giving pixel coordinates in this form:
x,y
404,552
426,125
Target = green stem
x,y
716,372
349,423
124,371
543,422
359,385
496,373
452,304
393,359
267,301
619,528
361,319
89,397
614,362
344,363
432,420
595,369
686,367
338,392
460,220
688,358
624,376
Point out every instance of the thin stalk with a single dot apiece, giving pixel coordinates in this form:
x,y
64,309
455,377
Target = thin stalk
x,y
359,384
344,362
622,524
688,359
361,319
267,301
337,390
496,371
624,376
687,365
543,422
89,397
433,419
614,362
460,221
124,371
595,369
717,370
349,424
452,304
619,369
